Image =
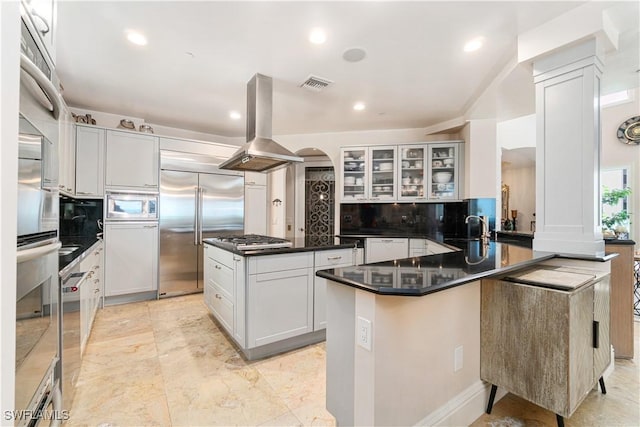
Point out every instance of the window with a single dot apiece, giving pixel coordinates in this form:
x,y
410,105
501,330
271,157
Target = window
x,y
615,203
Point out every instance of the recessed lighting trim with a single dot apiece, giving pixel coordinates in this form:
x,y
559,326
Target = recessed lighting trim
x,y
473,45
317,36
136,38
235,115
359,106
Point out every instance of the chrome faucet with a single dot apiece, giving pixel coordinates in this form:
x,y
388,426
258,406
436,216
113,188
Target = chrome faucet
x,y
484,236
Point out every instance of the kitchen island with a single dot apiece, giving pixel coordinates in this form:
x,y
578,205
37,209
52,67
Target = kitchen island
x,y
403,341
269,300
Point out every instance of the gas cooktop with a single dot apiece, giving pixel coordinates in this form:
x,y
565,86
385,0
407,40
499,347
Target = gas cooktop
x,y
254,241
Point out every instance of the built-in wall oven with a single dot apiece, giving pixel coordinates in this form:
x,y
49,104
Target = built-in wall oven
x,y
37,390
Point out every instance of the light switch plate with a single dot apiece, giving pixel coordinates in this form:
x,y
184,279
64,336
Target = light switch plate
x,y
364,333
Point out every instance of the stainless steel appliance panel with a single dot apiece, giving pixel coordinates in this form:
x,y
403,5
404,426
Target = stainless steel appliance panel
x,y
221,207
37,206
178,243
36,323
71,356
193,206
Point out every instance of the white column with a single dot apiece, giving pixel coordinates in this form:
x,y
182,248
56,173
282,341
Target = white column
x,y
568,150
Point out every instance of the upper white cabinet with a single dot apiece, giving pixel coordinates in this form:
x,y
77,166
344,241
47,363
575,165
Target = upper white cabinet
x,y
131,161
413,163
407,172
444,176
369,173
90,161
255,203
67,154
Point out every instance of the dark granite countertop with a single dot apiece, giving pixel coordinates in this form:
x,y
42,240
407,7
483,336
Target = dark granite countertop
x,y
515,233
619,242
432,273
84,244
299,245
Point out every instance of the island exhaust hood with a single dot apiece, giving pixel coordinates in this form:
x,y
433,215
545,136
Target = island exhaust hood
x,y
260,153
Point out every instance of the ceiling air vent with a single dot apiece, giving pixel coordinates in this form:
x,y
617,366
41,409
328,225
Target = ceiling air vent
x,y
316,83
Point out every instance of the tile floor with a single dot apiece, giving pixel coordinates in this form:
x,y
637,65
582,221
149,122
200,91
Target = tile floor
x,y
163,363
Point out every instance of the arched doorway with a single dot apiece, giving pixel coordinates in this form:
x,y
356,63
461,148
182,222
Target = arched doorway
x,y
311,185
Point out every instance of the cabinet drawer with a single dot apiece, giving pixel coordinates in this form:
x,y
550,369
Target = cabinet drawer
x,y
221,275
219,255
292,261
334,258
220,306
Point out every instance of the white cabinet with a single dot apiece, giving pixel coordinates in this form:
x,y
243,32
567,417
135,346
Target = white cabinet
x,y
406,172
131,161
67,154
279,297
386,249
131,262
413,164
255,203
90,161
334,258
444,177
369,173
422,247
90,290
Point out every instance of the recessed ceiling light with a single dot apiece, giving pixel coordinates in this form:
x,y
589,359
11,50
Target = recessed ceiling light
x,y
359,106
136,38
473,45
235,115
317,36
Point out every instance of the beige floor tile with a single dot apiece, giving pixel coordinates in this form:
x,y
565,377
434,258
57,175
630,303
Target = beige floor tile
x,y
314,414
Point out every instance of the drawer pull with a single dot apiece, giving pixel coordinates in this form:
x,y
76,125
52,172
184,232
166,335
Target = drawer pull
x,y
218,296
596,334
387,241
217,267
95,291
331,258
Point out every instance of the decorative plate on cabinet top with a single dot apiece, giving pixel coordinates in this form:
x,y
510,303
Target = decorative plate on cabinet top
x,y
629,131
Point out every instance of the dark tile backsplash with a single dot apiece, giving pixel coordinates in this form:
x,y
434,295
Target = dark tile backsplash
x,y
437,220
79,217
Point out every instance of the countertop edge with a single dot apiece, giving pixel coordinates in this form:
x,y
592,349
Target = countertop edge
x,y
276,251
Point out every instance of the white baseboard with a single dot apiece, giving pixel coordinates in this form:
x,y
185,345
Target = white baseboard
x,y
464,408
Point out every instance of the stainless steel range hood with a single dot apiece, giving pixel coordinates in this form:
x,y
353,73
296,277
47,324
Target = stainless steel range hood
x,y
261,153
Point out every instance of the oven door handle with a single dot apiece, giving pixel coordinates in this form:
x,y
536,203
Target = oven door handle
x,y
37,252
44,83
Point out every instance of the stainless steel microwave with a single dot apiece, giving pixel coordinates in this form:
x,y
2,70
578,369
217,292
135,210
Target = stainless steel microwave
x,y
131,207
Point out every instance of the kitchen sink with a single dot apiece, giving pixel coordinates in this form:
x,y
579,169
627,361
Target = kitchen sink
x,y
68,250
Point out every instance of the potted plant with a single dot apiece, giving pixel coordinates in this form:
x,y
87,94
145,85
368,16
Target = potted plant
x,y
615,224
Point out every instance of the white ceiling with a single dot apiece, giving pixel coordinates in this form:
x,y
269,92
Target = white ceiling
x,y
201,54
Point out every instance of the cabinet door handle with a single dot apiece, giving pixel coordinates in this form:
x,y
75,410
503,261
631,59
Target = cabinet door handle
x,y
236,259
95,291
218,296
596,334
83,192
387,241
150,185
149,226
334,257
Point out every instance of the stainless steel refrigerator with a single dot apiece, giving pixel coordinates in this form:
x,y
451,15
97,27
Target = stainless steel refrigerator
x,y
196,201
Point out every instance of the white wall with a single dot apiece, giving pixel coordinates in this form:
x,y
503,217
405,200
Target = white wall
x,y
618,155
522,194
9,87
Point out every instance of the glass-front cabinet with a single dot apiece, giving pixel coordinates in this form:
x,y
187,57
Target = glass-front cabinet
x,y
369,174
444,179
355,173
412,166
405,172
383,173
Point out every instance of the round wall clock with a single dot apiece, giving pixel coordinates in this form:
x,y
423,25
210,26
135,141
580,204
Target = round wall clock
x,y
629,131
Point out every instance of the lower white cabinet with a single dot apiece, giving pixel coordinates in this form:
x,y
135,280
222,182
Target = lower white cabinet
x,y
422,247
90,290
386,249
325,260
131,262
261,300
279,297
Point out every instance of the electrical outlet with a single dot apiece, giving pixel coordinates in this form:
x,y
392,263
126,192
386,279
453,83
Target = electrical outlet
x,y
364,333
457,359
